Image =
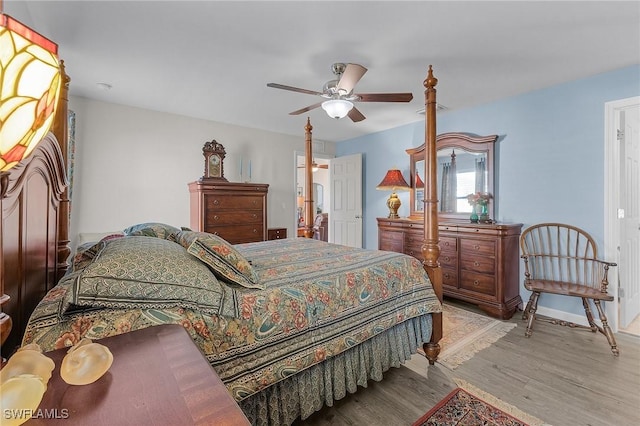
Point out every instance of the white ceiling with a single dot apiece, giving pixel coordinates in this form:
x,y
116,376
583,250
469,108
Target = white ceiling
x,y
213,59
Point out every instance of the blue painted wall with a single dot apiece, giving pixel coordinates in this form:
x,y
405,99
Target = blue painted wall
x,y
549,156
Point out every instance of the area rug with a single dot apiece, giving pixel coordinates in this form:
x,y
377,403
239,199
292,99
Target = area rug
x,y
467,405
465,333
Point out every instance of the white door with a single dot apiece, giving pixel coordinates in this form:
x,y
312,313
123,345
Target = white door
x,y
345,216
629,267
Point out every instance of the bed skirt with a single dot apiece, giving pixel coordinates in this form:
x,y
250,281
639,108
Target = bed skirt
x,y
307,392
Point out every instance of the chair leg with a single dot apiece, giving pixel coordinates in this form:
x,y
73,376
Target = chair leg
x,y
525,312
589,314
532,306
606,329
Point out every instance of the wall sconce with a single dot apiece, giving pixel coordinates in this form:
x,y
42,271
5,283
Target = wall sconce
x,y
393,181
30,84
337,108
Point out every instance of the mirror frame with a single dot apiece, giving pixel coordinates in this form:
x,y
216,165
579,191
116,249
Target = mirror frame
x,y
463,141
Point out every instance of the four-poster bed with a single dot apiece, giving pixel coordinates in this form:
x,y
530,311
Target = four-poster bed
x,y
321,319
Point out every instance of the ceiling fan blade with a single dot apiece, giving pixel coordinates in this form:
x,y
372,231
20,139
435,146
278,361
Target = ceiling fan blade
x,y
293,89
305,109
385,97
350,77
355,115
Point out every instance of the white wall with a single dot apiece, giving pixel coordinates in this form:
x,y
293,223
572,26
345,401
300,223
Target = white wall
x,y
133,165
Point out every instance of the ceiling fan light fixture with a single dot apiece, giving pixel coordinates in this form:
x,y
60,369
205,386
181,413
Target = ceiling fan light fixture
x,y
337,108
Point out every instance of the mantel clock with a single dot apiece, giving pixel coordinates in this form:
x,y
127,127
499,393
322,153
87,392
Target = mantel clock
x,y
214,154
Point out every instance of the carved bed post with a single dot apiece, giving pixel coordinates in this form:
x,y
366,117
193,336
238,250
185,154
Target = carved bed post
x,y
308,180
430,248
61,132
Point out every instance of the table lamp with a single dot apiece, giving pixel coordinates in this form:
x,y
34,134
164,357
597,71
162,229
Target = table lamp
x,y
393,181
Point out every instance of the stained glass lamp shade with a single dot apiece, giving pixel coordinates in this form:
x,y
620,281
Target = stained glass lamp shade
x,y
393,181
29,89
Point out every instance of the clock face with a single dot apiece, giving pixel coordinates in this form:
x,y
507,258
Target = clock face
x,y
215,169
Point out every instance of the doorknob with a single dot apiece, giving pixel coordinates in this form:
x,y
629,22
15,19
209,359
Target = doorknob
x,y
358,216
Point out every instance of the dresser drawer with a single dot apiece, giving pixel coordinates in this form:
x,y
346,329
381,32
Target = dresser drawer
x,y
448,244
478,283
472,247
485,265
218,218
276,233
239,233
414,239
415,251
450,276
391,241
449,260
233,202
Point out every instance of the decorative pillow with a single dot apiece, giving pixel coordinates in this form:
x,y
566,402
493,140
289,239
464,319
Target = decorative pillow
x,y
152,229
146,272
85,253
225,261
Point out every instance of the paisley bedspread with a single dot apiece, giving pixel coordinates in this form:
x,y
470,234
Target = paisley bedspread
x,y
320,300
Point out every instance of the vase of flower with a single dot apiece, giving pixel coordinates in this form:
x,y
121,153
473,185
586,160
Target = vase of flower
x,y
479,202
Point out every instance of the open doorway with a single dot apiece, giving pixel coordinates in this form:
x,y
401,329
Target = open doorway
x,y
622,211
321,189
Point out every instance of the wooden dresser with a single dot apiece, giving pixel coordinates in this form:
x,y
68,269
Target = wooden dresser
x,y
480,262
235,211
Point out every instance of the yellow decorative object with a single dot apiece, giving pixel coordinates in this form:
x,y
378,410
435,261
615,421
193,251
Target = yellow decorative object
x,y
30,84
19,398
28,360
85,362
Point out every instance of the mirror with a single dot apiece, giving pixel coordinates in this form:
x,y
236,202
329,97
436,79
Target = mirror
x,y
465,166
318,197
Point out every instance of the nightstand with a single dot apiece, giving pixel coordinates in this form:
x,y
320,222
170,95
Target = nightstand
x,y
158,377
276,233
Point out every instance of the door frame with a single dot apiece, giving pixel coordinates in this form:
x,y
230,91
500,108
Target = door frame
x,y
612,197
297,154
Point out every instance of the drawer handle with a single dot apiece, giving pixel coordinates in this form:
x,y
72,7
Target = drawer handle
x,y
216,202
216,217
476,247
447,276
476,263
476,283
446,244
255,202
447,258
255,231
255,215
477,230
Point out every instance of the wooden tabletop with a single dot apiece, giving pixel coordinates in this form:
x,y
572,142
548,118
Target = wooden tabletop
x,y
158,377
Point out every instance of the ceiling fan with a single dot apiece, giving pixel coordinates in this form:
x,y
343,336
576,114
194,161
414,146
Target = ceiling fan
x,y
339,96
315,166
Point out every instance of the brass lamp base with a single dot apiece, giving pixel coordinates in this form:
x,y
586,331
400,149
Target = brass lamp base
x,y
394,204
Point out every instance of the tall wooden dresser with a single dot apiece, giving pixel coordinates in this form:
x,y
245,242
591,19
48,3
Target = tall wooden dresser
x,y
480,262
235,211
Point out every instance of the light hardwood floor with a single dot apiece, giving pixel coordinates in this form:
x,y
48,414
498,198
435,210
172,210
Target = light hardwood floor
x,y
560,375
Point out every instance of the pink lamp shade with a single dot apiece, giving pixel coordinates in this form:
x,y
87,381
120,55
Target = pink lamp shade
x,y
393,181
30,84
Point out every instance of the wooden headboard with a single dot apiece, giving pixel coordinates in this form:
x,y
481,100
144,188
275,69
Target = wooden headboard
x,y
34,225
